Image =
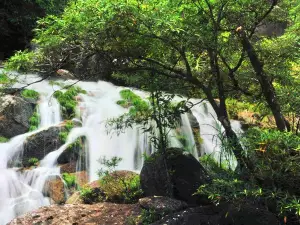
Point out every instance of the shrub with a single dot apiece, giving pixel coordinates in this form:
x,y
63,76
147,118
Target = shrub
x,y
150,216
21,61
32,94
119,186
70,179
91,195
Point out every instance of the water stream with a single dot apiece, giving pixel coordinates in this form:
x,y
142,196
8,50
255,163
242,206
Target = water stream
x,y
22,191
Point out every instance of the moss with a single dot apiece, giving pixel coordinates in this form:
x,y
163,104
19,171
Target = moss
x,y
4,79
32,94
67,101
130,99
34,121
32,162
3,139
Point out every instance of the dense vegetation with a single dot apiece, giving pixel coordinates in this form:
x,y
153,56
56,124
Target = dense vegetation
x,y
221,51
17,20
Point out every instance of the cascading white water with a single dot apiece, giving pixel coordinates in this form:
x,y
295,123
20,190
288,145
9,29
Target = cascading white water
x,y
23,191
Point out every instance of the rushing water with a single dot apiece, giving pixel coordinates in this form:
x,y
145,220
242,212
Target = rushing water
x,y
22,191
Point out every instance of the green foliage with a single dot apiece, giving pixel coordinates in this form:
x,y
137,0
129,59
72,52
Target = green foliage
x,y
3,139
118,186
150,216
22,61
4,78
67,101
70,179
32,94
32,162
91,195
274,178
34,121
130,99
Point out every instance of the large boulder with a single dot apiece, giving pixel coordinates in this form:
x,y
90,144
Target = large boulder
x,y
55,189
228,214
15,113
186,175
42,143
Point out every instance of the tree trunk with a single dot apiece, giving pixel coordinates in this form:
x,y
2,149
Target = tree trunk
x,y
221,111
265,83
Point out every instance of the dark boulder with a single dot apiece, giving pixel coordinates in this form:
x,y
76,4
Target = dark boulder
x,y
15,113
162,204
186,174
227,214
42,143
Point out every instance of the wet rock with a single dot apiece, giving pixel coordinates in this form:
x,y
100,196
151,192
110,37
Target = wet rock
x,y
102,213
187,174
42,143
162,204
55,189
15,113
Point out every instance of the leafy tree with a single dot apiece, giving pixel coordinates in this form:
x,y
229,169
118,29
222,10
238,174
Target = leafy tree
x,y
214,46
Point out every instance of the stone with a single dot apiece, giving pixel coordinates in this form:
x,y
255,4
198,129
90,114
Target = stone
x,y
68,167
247,214
186,176
226,214
162,204
55,189
102,213
42,143
15,113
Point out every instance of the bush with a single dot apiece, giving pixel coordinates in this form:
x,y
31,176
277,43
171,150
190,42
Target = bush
x,y
32,94
21,61
274,180
119,186
91,195
70,179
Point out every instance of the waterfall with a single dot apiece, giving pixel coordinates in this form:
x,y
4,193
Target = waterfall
x,y
22,191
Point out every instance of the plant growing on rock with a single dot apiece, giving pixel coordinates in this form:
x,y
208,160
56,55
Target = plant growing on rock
x,y
34,121
67,100
158,117
118,186
31,94
33,162
70,179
